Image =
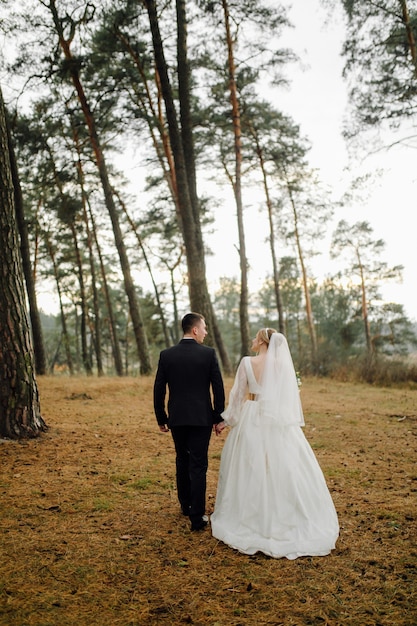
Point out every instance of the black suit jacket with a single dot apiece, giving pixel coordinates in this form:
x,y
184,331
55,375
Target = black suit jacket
x,y
189,370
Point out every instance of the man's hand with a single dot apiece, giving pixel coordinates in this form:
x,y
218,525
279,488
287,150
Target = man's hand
x,y
219,427
163,428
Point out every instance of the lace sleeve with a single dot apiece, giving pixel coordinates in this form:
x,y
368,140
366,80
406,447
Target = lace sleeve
x,y
237,396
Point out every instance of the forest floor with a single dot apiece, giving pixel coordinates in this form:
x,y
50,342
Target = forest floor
x,y
91,532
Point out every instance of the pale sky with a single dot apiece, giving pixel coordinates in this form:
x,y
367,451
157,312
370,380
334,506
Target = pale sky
x,y
317,101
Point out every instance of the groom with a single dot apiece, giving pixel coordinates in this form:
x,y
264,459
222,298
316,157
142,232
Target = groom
x,y
190,370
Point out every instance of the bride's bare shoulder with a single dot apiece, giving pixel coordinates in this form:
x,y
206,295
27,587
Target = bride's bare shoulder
x,y
259,358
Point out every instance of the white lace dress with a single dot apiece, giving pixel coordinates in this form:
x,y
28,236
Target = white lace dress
x,y
272,496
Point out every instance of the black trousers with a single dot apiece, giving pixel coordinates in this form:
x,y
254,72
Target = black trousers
x,y
191,447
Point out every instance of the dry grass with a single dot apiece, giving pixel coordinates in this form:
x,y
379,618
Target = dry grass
x,y
91,533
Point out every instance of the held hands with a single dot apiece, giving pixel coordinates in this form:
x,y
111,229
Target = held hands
x,y
219,427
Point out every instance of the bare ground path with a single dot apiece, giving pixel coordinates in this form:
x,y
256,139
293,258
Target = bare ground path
x,y
91,532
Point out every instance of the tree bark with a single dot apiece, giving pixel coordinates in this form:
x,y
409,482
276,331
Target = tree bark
x,y
35,319
237,188
186,123
168,161
184,91
188,218
20,414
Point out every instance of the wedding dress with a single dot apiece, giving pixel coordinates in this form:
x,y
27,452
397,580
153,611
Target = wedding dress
x,y
272,496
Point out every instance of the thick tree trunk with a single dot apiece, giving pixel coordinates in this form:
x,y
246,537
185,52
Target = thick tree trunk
x,y
153,113
138,326
35,319
189,221
19,398
184,92
185,113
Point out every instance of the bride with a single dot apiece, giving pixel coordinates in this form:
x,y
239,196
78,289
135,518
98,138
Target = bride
x,y
272,496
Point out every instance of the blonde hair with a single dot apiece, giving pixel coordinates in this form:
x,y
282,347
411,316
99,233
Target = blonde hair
x,y
265,335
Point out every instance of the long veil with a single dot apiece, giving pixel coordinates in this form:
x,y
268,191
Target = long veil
x,y
280,397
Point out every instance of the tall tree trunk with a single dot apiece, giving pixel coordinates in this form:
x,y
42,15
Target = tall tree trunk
x,y
69,219
84,306
237,188
96,327
184,91
127,345
166,158
148,265
277,291
114,339
309,311
138,326
35,319
20,414
97,330
186,124
77,338
187,140
65,335
188,217
369,345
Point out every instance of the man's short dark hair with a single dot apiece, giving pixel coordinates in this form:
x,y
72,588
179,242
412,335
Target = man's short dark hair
x,y
189,321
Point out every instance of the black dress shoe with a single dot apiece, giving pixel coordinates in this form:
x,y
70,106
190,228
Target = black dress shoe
x,y
199,525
